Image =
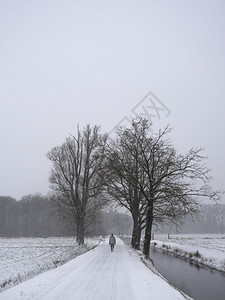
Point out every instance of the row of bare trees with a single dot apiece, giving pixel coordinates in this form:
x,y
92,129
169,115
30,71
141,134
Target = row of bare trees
x,y
138,169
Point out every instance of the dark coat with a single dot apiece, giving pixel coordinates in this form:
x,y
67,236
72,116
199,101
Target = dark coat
x,y
112,240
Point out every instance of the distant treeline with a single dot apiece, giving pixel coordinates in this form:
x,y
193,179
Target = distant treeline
x,y
211,219
38,216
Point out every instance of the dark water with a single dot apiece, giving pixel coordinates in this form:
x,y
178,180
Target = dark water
x,y
200,283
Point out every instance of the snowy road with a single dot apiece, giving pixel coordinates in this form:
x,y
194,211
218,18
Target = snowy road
x,y
97,274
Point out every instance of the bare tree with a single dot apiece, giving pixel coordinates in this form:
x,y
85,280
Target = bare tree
x,y
122,177
174,182
76,176
167,185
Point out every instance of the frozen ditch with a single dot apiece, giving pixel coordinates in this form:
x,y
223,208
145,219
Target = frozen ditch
x,y
193,263
208,249
200,283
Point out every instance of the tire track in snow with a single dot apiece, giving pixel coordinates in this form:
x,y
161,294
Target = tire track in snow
x,y
76,280
114,281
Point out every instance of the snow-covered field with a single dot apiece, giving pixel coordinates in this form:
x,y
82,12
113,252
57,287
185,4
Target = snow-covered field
x,y
98,274
23,258
207,249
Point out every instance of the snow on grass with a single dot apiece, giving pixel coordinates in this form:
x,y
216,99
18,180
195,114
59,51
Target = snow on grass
x,y
98,274
23,258
208,249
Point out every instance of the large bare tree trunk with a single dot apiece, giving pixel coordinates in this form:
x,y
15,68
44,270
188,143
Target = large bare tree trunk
x,y
80,230
136,236
148,231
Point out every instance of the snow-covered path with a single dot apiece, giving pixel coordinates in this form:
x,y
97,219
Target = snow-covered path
x,y
97,274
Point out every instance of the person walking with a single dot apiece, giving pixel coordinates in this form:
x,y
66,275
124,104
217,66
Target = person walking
x,y
112,242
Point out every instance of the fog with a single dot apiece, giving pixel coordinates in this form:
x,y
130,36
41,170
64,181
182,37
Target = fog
x,y
65,63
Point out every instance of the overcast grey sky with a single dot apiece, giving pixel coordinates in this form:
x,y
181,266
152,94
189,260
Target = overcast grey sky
x,y
69,62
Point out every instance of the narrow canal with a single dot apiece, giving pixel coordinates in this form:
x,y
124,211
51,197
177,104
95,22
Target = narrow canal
x,y
200,283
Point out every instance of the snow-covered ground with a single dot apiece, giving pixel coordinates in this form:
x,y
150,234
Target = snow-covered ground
x,y
23,258
207,249
98,274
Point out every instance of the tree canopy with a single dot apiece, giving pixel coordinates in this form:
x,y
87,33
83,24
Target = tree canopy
x,y
154,182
